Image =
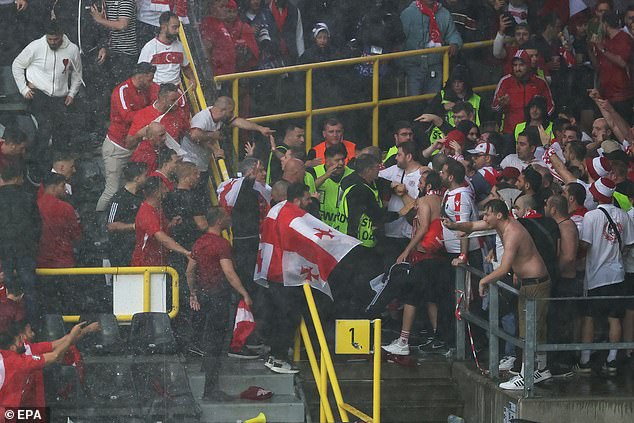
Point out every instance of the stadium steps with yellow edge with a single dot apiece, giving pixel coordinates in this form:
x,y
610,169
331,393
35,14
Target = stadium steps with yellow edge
x,y
236,375
425,393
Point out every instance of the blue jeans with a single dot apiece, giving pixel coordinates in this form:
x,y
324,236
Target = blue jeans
x,y
424,79
24,267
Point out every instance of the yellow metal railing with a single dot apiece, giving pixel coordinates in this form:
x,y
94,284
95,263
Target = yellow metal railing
x,y
324,370
375,104
198,102
145,271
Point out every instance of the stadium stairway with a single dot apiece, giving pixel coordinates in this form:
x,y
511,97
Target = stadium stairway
x,y
423,393
236,375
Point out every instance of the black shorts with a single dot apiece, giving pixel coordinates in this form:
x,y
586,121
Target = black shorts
x,y
605,308
429,282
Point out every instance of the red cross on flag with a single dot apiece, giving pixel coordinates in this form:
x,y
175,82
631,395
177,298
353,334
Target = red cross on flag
x,y
296,247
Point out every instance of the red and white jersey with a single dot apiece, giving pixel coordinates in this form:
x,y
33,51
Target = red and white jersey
x,y
458,205
168,59
577,217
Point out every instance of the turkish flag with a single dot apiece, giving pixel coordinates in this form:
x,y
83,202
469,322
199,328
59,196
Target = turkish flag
x,y
296,247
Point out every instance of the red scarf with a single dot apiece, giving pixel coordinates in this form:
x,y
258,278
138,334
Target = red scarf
x,y
434,31
280,20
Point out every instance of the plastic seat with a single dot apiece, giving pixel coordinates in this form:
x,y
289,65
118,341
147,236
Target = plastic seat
x,y
111,384
64,388
53,327
106,341
151,333
164,387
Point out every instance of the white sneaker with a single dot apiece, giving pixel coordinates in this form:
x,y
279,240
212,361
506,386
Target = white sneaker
x,y
280,366
397,348
516,383
507,363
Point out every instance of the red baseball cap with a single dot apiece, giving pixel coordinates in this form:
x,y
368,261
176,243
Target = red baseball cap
x,y
522,55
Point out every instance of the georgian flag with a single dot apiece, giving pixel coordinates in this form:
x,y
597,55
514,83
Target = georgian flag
x,y
243,327
296,247
228,192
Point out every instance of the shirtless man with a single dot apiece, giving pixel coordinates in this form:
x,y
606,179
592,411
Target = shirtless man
x,y
426,254
521,257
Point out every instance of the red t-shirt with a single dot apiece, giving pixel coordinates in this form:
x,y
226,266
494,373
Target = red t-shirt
x,y
60,228
145,153
218,42
14,371
148,251
168,184
208,250
175,122
616,84
125,101
33,395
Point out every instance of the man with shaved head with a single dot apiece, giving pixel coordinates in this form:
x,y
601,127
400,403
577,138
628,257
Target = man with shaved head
x,y
147,150
294,171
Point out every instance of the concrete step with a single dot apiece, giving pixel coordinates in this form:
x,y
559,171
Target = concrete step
x,y
428,390
279,384
434,368
403,412
279,409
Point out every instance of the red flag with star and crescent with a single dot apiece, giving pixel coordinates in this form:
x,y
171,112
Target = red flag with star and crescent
x,y
296,247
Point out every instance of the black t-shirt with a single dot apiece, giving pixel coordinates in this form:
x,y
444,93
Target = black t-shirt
x,y
545,234
124,208
181,202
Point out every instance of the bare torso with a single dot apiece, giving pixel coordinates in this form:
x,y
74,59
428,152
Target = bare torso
x,y
527,263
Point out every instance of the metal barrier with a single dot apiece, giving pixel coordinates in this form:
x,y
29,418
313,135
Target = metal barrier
x,y
529,344
324,370
375,104
145,271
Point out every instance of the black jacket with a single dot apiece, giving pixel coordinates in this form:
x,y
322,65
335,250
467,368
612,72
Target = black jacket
x,y
20,223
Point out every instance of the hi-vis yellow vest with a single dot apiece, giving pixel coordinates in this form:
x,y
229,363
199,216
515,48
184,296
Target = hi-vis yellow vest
x,y
474,100
329,197
365,231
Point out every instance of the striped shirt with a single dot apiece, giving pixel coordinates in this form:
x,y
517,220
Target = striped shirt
x,y
123,41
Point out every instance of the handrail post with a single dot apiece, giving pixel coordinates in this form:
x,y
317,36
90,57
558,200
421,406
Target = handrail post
x,y
336,390
530,343
312,360
323,383
147,291
375,101
494,341
445,67
376,386
461,275
235,93
308,130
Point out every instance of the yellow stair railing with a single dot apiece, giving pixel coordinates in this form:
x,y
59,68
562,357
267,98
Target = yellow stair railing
x,y
375,104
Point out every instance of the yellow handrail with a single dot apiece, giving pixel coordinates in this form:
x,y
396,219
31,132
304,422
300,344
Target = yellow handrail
x,y
375,104
145,271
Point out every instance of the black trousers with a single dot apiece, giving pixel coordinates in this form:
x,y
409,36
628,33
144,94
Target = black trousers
x,y
211,325
285,305
52,119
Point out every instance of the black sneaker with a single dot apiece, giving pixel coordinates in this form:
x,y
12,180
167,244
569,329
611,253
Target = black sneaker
x,y
195,352
609,367
245,354
426,342
582,369
435,346
559,370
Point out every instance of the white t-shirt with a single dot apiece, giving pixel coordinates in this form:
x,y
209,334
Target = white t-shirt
x,y
458,205
604,261
168,59
400,228
149,13
513,161
194,153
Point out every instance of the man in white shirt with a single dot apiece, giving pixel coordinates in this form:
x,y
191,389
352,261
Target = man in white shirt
x,y
527,143
167,53
48,72
404,177
607,233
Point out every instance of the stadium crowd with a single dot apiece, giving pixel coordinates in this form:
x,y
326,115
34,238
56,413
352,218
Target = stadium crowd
x,y
546,163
